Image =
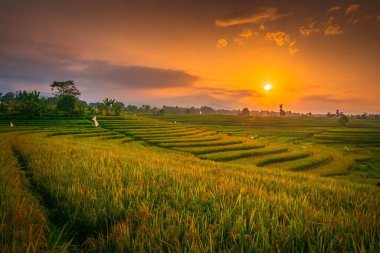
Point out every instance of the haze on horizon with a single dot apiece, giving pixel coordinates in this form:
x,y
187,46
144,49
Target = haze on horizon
x,y
318,56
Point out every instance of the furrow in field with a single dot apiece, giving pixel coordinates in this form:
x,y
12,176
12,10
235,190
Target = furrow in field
x,y
233,155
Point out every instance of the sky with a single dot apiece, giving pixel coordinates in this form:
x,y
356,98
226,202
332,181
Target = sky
x,y
318,56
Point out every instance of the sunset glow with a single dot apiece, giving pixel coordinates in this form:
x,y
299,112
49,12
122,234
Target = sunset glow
x,y
267,87
181,52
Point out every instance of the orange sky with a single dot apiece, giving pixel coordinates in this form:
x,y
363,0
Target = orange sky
x,y
318,56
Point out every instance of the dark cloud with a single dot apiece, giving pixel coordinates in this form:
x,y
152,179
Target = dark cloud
x,y
236,94
44,66
328,99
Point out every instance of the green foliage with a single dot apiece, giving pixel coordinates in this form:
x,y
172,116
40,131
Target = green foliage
x,y
67,104
30,103
117,108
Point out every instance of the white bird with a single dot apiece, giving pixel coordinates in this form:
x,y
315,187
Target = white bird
x,y
175,122
200,112
347,149
95,121
11,124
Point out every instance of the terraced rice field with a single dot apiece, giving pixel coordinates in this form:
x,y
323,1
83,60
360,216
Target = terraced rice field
x,y
211,143
218,146
352,151
138,184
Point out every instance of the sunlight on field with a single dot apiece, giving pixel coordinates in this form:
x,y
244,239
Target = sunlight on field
x,y
137,184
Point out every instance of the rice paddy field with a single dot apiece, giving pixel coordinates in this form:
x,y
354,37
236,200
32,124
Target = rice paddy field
x,y
189,183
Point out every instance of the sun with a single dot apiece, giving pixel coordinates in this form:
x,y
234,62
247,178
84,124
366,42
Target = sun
x,y
267,87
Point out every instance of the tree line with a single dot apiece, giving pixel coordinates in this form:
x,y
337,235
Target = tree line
x,y
65,102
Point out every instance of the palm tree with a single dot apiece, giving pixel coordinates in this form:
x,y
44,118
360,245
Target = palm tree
x,y
108,103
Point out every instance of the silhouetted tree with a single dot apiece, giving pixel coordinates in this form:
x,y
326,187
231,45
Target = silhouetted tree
x,y
132,108
64,88
245,112
207,109
343,120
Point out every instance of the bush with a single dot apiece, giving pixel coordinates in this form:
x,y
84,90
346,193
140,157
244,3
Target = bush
x,y
343,120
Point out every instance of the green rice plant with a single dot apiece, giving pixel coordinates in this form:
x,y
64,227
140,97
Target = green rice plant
x,y
199,144
306,164
234,155
183,134
23,220
213,149
184,140
175,202
282,158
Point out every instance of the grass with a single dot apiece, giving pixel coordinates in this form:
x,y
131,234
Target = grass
x,y
24,225
104,192
208,150
234,155
282,158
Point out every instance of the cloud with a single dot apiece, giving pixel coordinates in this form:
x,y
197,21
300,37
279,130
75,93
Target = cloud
x,y
246,33
137,76
262,27
221,43
292,48
258,17
334,8
352,8
280,38
44,65
351,11
223,93
244,36
332,28
328,99
308,30
215,97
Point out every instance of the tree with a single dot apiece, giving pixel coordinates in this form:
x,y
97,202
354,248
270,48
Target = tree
x,y
29,103
7,102
117,108
207,109
132,108
64,88
101,108
245,112
145,108
343,120
8,96
67,104
108,104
